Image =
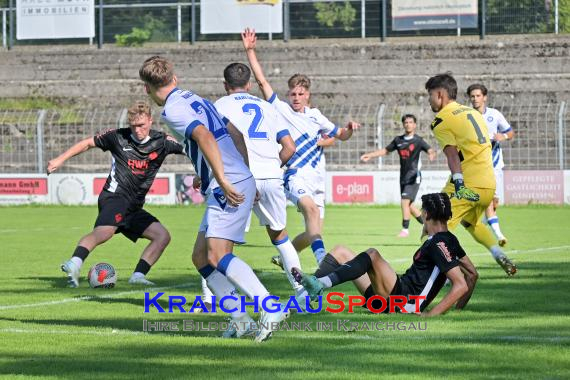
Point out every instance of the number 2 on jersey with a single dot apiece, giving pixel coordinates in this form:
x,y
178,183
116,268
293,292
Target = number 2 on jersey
x,y
252,131
480,136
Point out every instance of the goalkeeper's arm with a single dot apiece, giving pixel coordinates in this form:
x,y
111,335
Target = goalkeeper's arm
x,y
454,164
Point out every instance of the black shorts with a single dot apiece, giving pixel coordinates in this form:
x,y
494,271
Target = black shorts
x,y
409,190
131,219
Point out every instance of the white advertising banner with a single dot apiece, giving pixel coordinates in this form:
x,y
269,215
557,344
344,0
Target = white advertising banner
x,y
233,16
41,19
434,14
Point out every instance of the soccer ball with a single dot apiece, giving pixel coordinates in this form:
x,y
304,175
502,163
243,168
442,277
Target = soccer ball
x,y
102,275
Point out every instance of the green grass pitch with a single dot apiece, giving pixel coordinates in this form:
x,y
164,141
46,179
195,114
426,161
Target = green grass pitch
x,y
513,327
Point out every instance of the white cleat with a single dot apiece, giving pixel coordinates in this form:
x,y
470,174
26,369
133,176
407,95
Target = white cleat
x,y
239,328
72,271
268,322
140,280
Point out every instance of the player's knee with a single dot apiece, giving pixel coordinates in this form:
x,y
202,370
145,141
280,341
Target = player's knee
x,y
342,254
374,254
165,239
312,211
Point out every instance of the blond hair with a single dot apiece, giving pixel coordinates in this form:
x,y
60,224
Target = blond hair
x,y
138,109
157,71
299,80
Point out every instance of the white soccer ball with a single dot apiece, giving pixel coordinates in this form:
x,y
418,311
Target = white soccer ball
x,y
102,275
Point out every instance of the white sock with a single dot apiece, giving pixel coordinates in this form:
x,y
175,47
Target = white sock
x,y
290,259
77,261
494,223
326,281
221,287
241,275
206,292
496,252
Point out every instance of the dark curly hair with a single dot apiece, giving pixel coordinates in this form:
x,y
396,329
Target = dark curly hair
x,y
437,206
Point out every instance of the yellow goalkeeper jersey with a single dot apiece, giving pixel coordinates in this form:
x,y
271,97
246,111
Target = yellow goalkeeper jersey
x,y
465,128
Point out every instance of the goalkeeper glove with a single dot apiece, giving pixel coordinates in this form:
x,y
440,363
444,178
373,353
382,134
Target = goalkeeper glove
x,y
462,192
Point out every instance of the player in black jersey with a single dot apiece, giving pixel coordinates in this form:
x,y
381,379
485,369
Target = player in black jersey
x,y
439,258
138,152
409,146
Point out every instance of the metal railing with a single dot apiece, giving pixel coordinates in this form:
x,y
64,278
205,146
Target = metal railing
x,y
180,21
28,139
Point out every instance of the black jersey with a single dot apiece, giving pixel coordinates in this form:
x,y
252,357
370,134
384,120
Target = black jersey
x,y
409,150
432,260
135,164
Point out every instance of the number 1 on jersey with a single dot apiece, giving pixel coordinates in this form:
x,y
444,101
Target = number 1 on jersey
x,y
252,131
480,136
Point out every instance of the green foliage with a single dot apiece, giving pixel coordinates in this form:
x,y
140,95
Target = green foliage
x,y
564,16
24,104
519,16
137,37
330,14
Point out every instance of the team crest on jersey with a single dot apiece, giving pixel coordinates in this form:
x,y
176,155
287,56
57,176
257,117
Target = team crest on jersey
x,y
436,122
489,118
152,156
118,218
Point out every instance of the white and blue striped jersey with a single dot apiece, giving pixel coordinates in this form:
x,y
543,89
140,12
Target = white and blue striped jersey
x,y
306,129
261,126
496,123
183,112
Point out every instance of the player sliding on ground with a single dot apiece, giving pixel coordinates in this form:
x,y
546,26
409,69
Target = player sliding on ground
x,y
439,258
138,153
462,134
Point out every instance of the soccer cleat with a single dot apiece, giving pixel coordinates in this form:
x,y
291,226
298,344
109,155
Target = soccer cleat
x,y
502,241
267,323
404,234
239,328
72,271
508,266
140,280
276,260
310,283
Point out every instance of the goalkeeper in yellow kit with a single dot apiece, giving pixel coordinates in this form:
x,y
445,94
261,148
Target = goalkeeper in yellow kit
x,y
462,134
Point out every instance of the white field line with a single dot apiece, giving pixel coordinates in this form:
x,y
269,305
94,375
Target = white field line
x,y
347,335
38,229
85,298
78,299
511,252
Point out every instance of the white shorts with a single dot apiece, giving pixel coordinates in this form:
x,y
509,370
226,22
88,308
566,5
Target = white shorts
x,y
224,221
271,209
500,189
300,185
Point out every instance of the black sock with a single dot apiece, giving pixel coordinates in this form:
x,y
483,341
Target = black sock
x,y
81,252
405,223
376,303
142,267
327,266
419,219
351,270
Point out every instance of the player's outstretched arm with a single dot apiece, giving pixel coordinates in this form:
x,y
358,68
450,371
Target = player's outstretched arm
x,y
249,40
288,149
458,290
346,132
76,149
377,153
470,274
209,148
454,163
431,154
